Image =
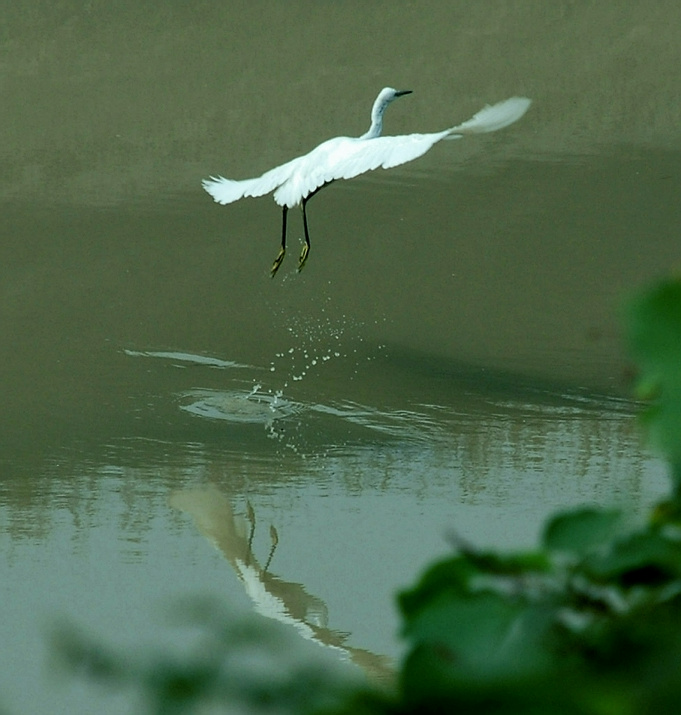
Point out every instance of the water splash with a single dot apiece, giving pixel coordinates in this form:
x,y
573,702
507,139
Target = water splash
x,y
316,343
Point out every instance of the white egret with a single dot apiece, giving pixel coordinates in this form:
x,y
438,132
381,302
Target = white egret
x,y
345,157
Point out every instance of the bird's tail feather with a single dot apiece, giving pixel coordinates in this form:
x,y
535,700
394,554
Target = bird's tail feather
x,y
490,119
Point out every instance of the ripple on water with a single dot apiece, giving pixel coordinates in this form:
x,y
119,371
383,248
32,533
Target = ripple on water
x,y
252,407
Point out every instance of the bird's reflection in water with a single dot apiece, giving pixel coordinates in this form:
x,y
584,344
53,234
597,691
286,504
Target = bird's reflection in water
x,y
273,597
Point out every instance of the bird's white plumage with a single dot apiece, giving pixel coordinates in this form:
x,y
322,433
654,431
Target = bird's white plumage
x,y
347,157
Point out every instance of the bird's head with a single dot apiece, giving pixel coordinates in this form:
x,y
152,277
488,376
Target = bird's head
x,y
388,94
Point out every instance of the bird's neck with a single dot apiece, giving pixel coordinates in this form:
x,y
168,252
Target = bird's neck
x,y
375,129
376,119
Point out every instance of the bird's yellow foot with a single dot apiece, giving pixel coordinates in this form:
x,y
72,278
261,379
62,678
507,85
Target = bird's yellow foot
x,y
277,262
303,256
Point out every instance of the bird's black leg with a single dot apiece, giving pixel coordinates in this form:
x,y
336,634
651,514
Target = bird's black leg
x,y
282,252
306,247
274,537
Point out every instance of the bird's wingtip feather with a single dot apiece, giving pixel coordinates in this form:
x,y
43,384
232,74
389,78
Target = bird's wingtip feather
x,y
493,117
223,191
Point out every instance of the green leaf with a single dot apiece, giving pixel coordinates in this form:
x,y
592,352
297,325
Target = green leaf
x,y
582,530
443,577
454,575
645,558
654,322
471,624
484,634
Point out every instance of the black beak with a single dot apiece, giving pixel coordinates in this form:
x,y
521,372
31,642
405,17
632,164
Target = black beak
x,y
401,92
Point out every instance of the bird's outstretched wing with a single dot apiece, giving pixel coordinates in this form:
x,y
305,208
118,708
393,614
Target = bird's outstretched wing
x,y
226,191
347,157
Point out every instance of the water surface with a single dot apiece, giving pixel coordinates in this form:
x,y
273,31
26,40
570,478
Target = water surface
x,y
175,422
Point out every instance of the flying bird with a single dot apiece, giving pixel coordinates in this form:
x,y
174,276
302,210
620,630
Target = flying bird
x,y
298,180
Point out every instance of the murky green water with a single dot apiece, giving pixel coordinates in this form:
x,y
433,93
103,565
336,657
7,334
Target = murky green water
x,y
448,361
